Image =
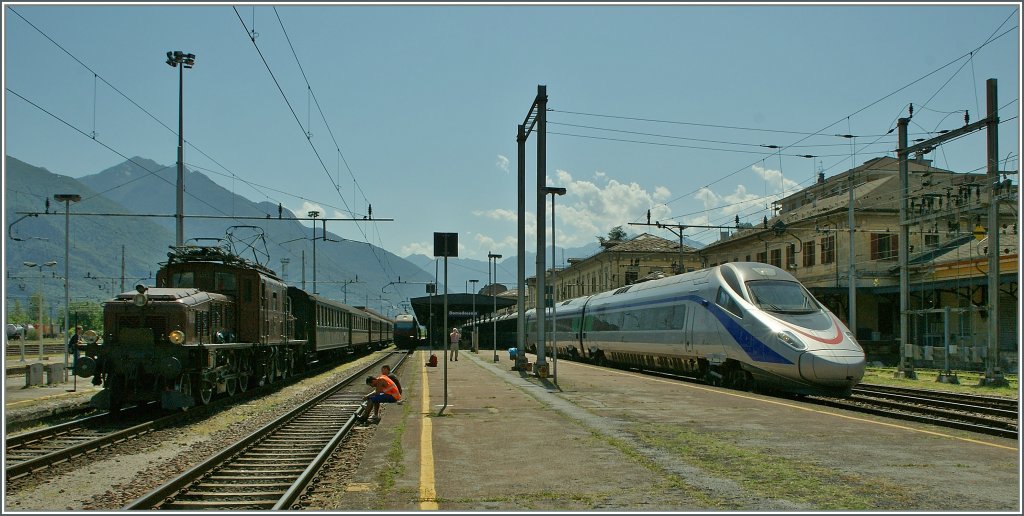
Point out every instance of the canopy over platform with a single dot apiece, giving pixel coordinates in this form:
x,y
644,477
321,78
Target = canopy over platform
x,y
429,311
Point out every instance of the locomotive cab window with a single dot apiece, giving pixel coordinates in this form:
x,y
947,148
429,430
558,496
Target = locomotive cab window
x,y
183,280
225,282
787,297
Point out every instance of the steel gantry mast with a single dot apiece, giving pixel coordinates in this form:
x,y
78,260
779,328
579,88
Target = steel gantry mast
x,y
993,374
535,117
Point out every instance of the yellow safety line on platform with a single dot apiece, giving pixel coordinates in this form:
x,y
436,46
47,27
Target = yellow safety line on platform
x,y
428,496
808,409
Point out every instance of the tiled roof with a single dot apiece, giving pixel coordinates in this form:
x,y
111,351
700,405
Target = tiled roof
x,y
646,243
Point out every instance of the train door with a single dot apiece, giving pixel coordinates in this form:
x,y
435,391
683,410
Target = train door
x,y
684,312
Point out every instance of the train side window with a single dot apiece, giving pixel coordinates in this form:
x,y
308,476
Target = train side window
x,y
726,301
679,317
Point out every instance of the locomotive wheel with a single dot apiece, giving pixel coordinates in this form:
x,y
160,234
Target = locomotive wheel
x,y
231,386
185,385
285,366
117,393
243,381
206,390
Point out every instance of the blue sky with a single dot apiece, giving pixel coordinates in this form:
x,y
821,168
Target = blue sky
x,y
423,103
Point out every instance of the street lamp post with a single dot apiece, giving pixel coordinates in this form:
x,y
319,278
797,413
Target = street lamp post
x,y
67,199
473,336
39,325
554,283
314,214
175,58
494,309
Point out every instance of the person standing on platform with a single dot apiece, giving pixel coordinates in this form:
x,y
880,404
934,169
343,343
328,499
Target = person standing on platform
x,y
73,348
454,337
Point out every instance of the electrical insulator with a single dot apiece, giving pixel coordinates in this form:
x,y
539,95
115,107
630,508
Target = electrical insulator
x,y
967,117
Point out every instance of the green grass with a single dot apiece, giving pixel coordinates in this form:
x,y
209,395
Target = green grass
x,y
395,466
926,380
768,474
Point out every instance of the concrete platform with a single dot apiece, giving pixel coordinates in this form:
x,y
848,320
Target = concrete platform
x,y
614,440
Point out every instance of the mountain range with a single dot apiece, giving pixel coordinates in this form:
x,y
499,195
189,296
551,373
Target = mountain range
x,y
124,216
123,213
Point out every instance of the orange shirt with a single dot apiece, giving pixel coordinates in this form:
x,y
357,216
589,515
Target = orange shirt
x,y
390,387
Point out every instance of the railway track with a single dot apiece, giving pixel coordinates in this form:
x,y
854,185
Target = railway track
x,y
271,468
988,415
30,452
981,414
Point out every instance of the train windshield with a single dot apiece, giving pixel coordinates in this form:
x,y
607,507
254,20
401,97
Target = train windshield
x,y
786,297
404,325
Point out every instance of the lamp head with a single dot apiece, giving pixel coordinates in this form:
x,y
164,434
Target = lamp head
x,y
68,197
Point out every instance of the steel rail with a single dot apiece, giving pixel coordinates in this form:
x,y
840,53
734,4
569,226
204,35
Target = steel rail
x,y
162,494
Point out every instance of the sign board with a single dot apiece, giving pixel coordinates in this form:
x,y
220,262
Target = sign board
x,y
446,244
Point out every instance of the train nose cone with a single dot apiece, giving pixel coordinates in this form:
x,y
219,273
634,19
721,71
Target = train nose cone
x,y
832,367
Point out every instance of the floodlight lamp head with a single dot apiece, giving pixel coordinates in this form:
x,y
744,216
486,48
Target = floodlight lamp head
x,y
314,214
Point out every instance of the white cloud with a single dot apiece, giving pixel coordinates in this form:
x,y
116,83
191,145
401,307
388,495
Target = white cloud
x,y
502,163
497,214
424,248
776,182
589,209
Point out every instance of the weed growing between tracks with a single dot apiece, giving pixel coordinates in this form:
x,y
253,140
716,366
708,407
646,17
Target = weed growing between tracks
x,y
926,379
770,475
394,466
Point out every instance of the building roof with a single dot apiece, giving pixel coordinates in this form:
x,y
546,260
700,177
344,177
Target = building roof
x,y
647,243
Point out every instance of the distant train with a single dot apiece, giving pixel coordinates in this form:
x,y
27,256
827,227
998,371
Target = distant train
x,y
743,325
407,332
217,323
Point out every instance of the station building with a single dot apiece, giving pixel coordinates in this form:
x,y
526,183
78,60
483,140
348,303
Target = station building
x,y
810,236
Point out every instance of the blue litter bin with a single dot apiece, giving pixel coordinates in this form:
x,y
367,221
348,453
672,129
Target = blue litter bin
x,y
512,354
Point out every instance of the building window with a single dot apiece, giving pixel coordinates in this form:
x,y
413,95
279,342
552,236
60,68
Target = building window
x,y
884,246
747,259
931,240
777,257
791,256
828,249
631,277
762,257
809,254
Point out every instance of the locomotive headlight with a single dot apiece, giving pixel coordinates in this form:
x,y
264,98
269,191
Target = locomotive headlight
x,y
176,337
90,336
790,340
140,299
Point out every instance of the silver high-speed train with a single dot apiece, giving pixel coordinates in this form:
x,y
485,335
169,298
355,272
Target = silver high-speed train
x,y
740,324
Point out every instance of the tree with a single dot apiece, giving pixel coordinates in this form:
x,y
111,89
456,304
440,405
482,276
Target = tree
x,y
616,234
87,314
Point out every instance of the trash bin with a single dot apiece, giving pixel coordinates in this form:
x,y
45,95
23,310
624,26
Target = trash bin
x,y
512,354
